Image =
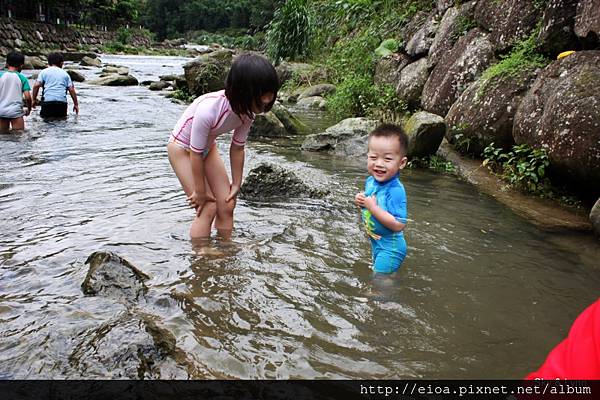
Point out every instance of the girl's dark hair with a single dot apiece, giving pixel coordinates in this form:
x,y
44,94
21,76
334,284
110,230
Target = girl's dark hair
x,y
250,76
15,59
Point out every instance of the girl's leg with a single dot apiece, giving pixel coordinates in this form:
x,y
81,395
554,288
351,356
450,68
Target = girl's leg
x,y
18,123
216,174
180,161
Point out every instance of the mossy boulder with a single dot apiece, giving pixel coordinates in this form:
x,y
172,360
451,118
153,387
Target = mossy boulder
x,y
207,73
115,80
75,76
90,62
425,133
561,113
267,125
411,81
267,181
347,138
388,69
484,113
292,124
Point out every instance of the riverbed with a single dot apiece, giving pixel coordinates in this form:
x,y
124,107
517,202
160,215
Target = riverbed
x,y
482,293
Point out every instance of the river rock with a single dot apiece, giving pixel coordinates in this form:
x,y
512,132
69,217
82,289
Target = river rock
x,y
75,76
286,70
485,115
347,138
159,85
561,113
77,56
587,21
425,133
271,181
456,70
130,346
90,62
448,31
595,217
442,5
419,44
387,69
508,20
116,80
207,73
293,125
168,78
313,102
322,90
112,276
411,82
557,32
267,125
34,62
407,31
115,69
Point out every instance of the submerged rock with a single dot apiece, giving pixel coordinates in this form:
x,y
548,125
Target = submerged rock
x,y
322,89
313,102
271,181
115,69
112,276
75,76
159,85
561,113
347,138
90,62
131,347
425,133
116,80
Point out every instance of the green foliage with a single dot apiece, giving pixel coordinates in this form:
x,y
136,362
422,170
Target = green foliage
x,y
387,47
124,35
433,162
289,32
230,40
183,95
523,56
522,167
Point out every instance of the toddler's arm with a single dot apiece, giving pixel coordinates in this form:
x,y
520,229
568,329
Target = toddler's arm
x,y
384,217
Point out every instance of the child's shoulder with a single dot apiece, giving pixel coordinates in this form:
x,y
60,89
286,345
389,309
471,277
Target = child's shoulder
x,y
397,188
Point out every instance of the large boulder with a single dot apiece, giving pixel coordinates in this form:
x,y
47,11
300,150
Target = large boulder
x,y
561,113
407,31
387,69
292,124
75,76
508,20
453,22
557,31
207,73
322,90
130,346
35,62
267,125
456,70
116,80
347,138
595,217
411,82
77,56
419,44
484,113
109,275
115,69
90,62
587,21
425,133
271,181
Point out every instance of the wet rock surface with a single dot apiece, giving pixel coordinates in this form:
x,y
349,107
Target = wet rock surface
x,y
267,125
207,73
411,82
484,113
388,69
425,133
75,76
267,181
110,275
116,80
561,113
557,31
347,138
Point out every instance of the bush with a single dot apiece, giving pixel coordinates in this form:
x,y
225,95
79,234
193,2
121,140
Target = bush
x,y
289,32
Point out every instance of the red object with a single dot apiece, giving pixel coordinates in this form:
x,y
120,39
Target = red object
x,y
578,356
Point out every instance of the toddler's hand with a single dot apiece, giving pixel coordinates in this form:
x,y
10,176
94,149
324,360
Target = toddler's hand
x,y
359,199
370,202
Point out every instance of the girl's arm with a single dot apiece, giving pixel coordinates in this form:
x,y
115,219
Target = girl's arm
x,y
237,155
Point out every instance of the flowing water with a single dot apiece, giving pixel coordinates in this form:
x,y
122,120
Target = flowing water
x,y
482,293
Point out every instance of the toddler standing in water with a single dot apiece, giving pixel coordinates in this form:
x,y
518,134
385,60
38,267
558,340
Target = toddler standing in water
x,y
383,203
14,88
251,88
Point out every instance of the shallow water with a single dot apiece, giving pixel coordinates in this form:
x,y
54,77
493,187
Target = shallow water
x,y
482,293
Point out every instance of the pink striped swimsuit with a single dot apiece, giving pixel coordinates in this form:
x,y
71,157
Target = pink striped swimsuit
x,y
209,116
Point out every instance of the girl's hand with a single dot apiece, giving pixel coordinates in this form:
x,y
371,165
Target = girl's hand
x,y
370,203
359,199
233,192
197,200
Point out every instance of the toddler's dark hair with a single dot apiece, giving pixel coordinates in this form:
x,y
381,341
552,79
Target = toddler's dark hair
x,y
15,59
250,76
55,59
391,130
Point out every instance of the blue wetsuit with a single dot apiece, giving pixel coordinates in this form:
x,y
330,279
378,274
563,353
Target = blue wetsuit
x,y
389,249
